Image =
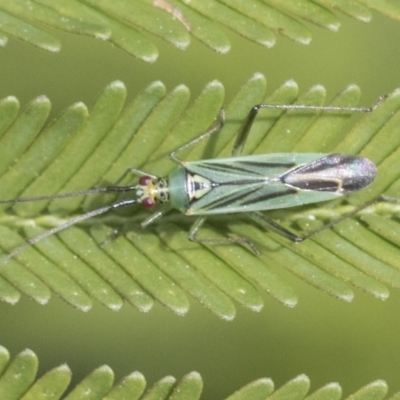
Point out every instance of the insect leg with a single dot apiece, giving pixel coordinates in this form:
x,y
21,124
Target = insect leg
x,y
244,131
143,224
135,171
200,221
214,129
277,228
155,216
152,217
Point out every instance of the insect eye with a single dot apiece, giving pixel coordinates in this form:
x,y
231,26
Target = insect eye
x,y
148,203
145,180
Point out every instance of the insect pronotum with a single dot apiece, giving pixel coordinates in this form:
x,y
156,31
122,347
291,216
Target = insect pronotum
x,y
249,184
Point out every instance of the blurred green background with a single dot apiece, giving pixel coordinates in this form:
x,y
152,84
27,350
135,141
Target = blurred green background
x,y
328,340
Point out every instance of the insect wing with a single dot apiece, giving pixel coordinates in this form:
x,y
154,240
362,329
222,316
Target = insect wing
x,y
251,183
340,173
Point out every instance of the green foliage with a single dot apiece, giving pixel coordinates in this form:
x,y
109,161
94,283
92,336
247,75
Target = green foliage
x,y
87,263
18,381
131,25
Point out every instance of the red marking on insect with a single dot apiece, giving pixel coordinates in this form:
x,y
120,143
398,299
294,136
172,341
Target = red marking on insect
x,y
148,203
145,180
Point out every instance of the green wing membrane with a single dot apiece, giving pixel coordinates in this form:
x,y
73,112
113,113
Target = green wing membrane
x,y
256,183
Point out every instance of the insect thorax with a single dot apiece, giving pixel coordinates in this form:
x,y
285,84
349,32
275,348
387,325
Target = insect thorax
x,y
186,187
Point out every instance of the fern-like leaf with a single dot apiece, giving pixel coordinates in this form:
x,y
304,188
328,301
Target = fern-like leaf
x,y
79,151
131,24
18,380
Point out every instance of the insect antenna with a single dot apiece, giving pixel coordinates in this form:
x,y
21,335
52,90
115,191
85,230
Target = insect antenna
x,y
105,189
73,221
